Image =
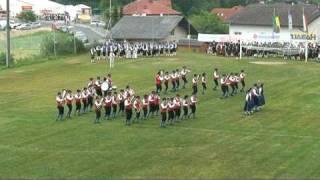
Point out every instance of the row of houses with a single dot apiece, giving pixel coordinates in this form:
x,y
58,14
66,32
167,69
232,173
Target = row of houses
x,y
47,7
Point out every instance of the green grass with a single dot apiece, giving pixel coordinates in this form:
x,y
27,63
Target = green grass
x,y
282,141
24,46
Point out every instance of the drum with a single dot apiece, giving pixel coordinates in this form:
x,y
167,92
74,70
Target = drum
x,y
105,86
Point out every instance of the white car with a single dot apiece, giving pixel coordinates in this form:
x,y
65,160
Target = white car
x,y
98,23
26,26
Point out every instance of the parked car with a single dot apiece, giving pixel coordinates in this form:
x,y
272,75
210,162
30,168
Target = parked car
x,y
98,23
26,26
35,24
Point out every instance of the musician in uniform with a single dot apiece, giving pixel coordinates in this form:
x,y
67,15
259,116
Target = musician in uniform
x,y
193,106
185,105
215,78
173,81
166,81
60,106
137,105
121,99
204,82
171,114
107,106
115,102
69,99
152,99
145,105
84,96
195,84
128,108
224,86
92,54
177,107
97,106
97,86
164,109
77,98
90,92
158,82
178,76
242,80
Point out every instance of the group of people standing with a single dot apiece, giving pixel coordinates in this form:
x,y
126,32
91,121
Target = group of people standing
x,y
132,50
254,100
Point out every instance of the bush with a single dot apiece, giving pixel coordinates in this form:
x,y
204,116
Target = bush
x,y
64,44
3,58
27,16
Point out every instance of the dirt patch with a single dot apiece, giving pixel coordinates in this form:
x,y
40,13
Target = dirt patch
x,y
73,61
173,59
268,63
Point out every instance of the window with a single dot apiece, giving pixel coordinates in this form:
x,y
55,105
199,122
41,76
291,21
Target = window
x,y
237,33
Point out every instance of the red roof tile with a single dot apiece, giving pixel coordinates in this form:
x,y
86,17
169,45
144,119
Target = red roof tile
x,y
225,13
150,7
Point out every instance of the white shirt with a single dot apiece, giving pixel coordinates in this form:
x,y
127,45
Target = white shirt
x,y
104,86
203,79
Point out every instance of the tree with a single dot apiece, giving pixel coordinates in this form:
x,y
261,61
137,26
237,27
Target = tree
x,y
206,22
27,16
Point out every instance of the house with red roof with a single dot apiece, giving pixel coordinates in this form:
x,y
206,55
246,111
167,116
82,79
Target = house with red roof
x,y
226,13
149,8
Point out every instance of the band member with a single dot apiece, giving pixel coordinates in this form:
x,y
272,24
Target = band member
x,y
69,99
105,87
137,105
242,80
215,78
237,80
157,104
185,105
232,82
97,107
90,92
107,106
60,106
248,103
158,82
128,107
97,86
84,96
98,50
261,95
184,73
195,84
152,103
164,109
178,76
193,107
171,107
255,97
173,81
166,82
129,91
77,98
145,105
92,54
121,99
204,82
91,82
109,80
224,86
115,102
177,106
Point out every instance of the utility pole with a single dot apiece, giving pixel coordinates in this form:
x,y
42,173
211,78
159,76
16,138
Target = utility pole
x,y
8,35
110,20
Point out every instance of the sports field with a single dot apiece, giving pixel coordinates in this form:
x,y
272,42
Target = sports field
x,y
282,141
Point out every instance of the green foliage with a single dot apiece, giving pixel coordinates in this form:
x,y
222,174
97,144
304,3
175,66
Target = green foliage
x,y
3,58
206,22
64,44
27,16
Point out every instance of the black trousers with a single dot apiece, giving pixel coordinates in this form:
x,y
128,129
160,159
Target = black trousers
x,y
145,112
90,101
195,89
185,110
171,115
216,82
163,116
128,114
193,109
78,106
243,83
204,86
166,84
108,111
98,114
121,106
158,88
69,108
177,112
60,110
184,79
138,114
114,109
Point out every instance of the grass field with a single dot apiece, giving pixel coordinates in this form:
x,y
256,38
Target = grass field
x,y
282,141
24,45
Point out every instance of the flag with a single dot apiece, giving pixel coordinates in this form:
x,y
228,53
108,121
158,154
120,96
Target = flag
x,y
305,23
276,24
290,20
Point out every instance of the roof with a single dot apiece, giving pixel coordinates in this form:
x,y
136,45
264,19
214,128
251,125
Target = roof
x,y
191,42
225,13
83,6
261,14
150,7
148,27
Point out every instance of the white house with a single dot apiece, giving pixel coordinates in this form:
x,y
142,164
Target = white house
x,y
257,19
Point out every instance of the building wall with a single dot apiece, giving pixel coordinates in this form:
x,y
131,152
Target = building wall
x,y
179,33
314,27
235,29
